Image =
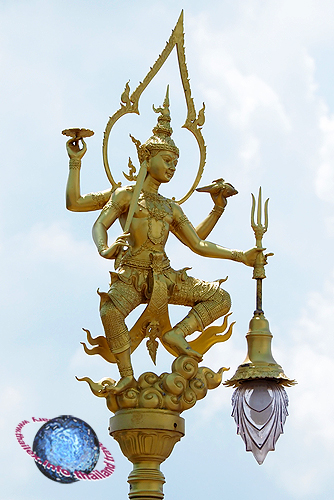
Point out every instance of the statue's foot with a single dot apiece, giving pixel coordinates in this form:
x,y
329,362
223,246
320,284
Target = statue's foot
x,y
178,343
122,385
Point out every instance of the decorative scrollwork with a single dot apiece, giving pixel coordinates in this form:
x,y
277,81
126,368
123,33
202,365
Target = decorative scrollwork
x,y
132,170
205,340
176,391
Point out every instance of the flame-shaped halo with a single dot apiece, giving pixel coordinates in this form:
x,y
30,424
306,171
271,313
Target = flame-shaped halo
x,y
129,104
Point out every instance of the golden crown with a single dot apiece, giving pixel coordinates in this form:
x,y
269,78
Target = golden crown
x,y
161,139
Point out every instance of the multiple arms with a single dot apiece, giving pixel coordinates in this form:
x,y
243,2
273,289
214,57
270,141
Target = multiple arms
x,y
118,203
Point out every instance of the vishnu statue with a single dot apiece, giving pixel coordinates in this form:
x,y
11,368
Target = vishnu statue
x,y
143,271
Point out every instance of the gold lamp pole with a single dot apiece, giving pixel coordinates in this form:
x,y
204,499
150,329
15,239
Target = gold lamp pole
x,y
259,230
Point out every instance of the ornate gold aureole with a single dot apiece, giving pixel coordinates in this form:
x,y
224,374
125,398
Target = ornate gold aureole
x,y
130,104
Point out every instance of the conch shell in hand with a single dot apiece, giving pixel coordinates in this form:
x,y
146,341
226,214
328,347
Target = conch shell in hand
x,y
217,186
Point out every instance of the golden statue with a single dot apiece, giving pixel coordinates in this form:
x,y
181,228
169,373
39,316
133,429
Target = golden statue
x,y
143,272
147,421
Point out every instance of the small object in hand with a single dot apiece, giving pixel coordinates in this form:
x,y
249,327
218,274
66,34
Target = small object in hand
x,y
78,133
219,185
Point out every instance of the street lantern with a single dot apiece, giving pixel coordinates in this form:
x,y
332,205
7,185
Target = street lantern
x,y
260,400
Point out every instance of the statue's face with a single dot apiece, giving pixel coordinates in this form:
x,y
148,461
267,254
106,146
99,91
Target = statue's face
x,y
162,166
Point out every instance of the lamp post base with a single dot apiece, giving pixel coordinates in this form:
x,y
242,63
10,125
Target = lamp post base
x,y
146,437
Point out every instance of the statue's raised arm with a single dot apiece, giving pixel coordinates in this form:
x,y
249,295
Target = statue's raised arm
x,y
219,191
74,200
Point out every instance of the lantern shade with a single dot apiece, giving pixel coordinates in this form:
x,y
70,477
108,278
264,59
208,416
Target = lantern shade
x,y
260,411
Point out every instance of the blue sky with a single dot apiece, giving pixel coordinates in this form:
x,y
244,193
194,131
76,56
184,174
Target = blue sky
x,y
265,73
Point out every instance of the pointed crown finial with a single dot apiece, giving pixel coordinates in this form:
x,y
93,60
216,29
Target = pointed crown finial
x,y
161,139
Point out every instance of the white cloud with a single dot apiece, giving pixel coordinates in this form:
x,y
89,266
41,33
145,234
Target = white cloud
x,y
307,466
244,93
314,363
53,243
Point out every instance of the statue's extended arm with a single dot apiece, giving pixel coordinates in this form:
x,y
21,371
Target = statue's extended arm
x,y
74,200
187,234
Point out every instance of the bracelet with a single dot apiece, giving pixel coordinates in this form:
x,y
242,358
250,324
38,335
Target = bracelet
x,y
101,245
75,163
237,255
217,210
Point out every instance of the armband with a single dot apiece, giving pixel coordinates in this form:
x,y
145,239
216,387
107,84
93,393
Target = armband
x,y
183,220
75,163
98,199
114,205
101,245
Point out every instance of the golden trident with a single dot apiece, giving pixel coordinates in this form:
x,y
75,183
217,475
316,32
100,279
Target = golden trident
x,y
261,260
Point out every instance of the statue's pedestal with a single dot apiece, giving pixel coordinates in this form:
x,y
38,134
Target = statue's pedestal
x,y
146,437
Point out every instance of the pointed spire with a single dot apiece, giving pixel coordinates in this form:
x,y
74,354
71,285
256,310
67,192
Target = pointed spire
x,y
166,101
161,139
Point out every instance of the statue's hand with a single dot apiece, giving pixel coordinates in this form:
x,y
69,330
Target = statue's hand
x,y
249,257
219,191
112,251
219,199
73,148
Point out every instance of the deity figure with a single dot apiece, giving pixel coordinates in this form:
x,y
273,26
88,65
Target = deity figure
x,y
143,272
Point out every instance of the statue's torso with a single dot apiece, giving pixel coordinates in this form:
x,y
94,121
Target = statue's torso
x,y
150,226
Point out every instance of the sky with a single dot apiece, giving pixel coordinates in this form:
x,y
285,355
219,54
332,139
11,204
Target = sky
x,y
265,72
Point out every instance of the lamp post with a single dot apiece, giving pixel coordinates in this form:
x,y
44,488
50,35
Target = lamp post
x,y
259,401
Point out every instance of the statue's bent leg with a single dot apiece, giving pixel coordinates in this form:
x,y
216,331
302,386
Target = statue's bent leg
x,y
208,301
116,332
211,309
115,329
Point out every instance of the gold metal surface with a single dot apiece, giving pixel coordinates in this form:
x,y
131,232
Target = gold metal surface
x,y
77,133
144,274
259,362
142,418
176,391
146,438
205,340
